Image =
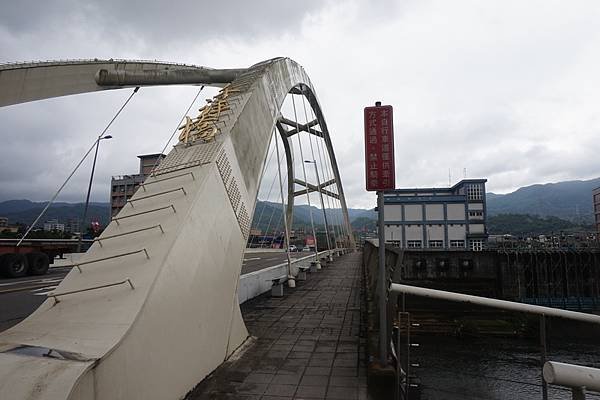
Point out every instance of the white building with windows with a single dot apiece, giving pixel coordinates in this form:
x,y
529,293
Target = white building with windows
x,y
54,225
437,218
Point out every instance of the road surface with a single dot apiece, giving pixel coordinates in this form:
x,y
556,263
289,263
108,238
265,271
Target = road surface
x,y
21,296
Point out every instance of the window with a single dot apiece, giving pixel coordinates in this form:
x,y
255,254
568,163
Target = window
x,y
436,243
457,244
474,192
413,244
476,213
476,245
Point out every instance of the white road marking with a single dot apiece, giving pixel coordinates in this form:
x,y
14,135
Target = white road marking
x,y
42,293
32,281
44,288
252,259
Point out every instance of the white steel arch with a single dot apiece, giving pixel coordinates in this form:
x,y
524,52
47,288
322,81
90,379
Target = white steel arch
x,y
152,307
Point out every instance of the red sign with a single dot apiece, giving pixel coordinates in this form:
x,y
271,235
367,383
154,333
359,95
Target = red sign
x,y
379,148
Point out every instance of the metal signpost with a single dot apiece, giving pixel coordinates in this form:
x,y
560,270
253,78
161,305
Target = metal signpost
x,y
379,164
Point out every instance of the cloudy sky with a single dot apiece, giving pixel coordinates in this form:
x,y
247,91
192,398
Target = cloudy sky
x,y
508,90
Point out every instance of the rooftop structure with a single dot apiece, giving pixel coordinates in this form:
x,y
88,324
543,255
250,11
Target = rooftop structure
x,y
437,218
123,187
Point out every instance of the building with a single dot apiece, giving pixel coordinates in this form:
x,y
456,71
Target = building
x,y
54,226
596,201
5,228
73,226
124,186
437,218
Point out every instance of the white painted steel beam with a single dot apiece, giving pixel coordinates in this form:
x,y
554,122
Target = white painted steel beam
x,y
573,376
24,82
494,303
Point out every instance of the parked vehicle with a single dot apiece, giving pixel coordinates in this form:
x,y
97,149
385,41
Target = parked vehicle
x,y
33,256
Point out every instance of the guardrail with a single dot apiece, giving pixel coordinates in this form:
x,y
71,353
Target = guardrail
x,y
258,282
576,377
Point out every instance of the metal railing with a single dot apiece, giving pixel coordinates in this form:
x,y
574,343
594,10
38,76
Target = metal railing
x,y
9,65
566,372
56,295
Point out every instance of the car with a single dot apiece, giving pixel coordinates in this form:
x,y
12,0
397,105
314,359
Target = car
x,y
293,248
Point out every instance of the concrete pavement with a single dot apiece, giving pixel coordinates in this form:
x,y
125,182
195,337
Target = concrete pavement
x,y
306,345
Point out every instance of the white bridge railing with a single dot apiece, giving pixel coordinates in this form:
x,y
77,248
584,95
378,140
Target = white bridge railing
x,y
255,283
576,377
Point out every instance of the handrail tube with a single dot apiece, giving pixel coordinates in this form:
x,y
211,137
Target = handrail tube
x,y
571,375
79,264
495,303
143,185
99,240
55,295
117,218
157,194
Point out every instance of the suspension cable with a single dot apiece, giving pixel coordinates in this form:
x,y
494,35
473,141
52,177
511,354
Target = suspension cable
x,y
341,221
325,175
177,128
326,162
283,211
272,212
277,225
77,167
268,195
312,223
336,190
312,151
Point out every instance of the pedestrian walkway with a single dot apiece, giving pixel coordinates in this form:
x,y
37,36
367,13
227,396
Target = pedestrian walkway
x,y
305,345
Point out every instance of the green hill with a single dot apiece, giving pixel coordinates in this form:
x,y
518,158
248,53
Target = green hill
x,y
569,200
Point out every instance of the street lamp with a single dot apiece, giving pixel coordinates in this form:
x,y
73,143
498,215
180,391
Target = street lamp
x,y
87,198
322,206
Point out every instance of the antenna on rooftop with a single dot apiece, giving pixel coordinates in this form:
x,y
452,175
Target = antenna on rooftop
x,y
449,178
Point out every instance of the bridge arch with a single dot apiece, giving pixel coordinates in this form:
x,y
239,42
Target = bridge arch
x,y
152,307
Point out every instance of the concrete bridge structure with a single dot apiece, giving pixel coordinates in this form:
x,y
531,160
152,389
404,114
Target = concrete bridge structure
x,y
152,307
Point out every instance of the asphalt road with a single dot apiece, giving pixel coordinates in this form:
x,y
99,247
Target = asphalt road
x,y
21,296
257,261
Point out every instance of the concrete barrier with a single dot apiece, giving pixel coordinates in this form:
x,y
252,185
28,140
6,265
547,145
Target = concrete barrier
x,y
256,283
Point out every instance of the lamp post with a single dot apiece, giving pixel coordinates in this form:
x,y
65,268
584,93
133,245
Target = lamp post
x,y
87,198
322,206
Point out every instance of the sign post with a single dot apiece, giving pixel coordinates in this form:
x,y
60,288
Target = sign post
x,y
380,176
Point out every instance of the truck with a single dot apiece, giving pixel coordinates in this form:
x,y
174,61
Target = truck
x,y
33,256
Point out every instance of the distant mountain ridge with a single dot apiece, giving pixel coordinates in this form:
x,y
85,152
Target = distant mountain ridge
x,y
568,200
26,211
268,214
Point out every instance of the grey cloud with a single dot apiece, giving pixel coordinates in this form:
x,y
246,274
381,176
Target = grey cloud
x,y
158,22
472,87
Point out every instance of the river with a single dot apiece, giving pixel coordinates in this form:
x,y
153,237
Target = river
x,y
492,368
